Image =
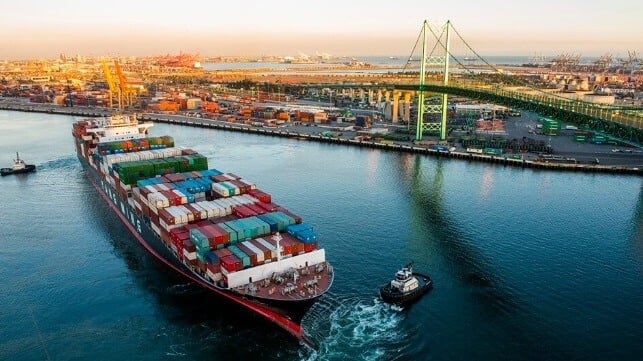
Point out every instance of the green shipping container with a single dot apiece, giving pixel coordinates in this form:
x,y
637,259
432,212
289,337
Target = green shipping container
x,y
245,259
234,237
199,239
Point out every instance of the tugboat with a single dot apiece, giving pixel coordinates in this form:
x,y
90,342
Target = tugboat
x,y
19,166
407,286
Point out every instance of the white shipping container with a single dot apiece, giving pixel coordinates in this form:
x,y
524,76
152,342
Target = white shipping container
x,y
184,198
150,189
234,201
172,219
189,255
221,203
254,249
228,184
220,190
158,199
209,208
180,213
216,277
252,185
167,226
270,246
203,214
187,213
250,199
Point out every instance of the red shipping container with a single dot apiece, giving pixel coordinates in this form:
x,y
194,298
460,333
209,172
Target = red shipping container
x,y
233,175
295,245
145,209
248,251
173,198
309,247
165,236
243,211
237,211
189,246
154,218
222,252
216,235
231,263
177,232
195,174
219,178
202,223
201,266
166,216
267,253
255,208
269,207
286,246
179,240
260,195
145,191
195,212
190,226
158,188
244,188
174,177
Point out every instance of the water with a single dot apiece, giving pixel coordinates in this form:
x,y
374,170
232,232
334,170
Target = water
x,y
398,62
389,61
527,264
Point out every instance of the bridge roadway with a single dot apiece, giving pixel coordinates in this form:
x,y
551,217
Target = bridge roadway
x,y
621,122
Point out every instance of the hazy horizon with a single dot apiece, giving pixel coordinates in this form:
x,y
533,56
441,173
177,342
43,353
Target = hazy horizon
x,y
43,29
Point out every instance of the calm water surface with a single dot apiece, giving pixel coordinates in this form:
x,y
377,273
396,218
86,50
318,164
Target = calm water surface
x,y
528,265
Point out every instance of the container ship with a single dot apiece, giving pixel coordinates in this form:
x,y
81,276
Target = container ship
x,y
215,228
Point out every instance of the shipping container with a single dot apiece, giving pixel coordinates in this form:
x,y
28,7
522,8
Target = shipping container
x,y
245,259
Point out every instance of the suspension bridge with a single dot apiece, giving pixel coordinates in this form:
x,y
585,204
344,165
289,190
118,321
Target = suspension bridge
x,y
437,68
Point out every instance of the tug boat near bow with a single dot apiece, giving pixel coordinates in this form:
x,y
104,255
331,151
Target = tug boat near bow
x,y
407,287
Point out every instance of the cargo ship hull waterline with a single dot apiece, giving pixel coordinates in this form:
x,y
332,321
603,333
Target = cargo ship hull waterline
x,y
214,228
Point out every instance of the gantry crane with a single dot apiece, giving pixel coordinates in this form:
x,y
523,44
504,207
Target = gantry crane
x,y
113,89
126,91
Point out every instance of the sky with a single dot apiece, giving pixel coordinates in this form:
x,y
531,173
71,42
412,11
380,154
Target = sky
x,y
44,29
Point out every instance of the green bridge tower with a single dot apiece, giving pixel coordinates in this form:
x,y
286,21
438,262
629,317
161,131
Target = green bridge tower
x,y
430,59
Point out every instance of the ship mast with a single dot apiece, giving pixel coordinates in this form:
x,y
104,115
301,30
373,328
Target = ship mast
x,y
277,239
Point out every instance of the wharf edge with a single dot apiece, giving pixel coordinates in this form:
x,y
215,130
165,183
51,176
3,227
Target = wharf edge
x,y
586,168
522,163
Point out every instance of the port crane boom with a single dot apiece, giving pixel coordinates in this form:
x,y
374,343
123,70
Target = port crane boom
x,y
113,89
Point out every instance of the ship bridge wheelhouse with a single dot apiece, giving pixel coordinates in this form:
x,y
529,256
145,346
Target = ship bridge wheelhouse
x,y
403,275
